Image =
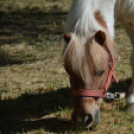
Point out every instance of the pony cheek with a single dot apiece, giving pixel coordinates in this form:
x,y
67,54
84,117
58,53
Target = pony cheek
x,y
75,82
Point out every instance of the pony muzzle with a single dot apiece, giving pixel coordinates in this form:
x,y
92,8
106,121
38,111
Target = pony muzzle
x,y
87,120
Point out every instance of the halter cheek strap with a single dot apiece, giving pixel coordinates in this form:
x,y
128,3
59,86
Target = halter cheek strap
x,y
111,72
100,93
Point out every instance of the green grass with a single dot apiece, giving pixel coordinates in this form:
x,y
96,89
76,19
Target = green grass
x,y
35,97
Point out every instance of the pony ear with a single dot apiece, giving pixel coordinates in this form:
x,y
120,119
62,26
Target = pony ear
x,y
67,37
100,37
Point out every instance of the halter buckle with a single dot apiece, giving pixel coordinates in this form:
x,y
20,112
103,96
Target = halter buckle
x,y
117,96
110,95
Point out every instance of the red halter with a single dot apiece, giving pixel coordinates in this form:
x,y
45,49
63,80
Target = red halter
x,y
99,93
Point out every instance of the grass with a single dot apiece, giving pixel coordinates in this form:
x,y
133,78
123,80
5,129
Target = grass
x,y
34,88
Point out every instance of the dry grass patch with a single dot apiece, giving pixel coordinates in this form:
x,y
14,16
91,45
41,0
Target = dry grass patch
x,y
35,5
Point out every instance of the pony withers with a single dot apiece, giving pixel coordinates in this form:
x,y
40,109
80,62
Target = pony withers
x,y
89,53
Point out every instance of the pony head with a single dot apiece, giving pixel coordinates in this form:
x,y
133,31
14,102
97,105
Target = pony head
x,y
86,60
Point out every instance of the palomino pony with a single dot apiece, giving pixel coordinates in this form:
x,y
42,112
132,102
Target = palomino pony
x,y
90,51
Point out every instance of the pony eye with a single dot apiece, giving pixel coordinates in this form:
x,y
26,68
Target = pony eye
x,y
99,73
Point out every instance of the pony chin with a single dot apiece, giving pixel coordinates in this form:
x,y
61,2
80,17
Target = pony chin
x,y
89,126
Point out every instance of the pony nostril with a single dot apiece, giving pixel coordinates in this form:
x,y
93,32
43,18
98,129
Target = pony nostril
x,y
73,117
88,120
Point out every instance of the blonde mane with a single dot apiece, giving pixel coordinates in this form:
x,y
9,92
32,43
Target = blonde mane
x,y
83,52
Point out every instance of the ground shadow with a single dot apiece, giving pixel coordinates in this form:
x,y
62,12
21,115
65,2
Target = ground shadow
x,y
7,59
122,86
32,28
26,25
32,106
13,113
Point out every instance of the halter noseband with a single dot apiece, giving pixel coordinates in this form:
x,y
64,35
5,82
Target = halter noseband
x,y
104,92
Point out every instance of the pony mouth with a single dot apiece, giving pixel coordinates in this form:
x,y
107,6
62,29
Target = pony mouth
x,y
88,125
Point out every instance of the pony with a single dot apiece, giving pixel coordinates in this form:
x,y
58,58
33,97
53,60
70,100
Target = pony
x,y
90,50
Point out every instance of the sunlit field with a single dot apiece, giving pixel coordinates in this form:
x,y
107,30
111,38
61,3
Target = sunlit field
x,y
35,95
